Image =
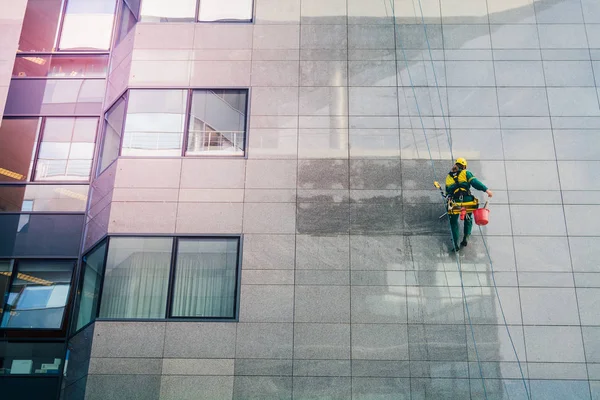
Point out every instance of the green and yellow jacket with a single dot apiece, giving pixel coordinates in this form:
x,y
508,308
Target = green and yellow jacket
x,y
460,182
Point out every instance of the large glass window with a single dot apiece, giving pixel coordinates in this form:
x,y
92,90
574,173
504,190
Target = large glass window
x,y
136,278
113,126
5,276
24,358
154,123
18,138
87,25
128,18
133,277
205,278
225,10
38,294
66,149
217,122
89,295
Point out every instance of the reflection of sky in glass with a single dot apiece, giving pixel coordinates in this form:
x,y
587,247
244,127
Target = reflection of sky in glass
x,y
214,10
87,24
159,10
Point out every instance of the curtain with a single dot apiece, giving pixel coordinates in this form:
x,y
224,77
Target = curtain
x,y
205,285
137,287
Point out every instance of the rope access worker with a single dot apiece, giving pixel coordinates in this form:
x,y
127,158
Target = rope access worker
x,y
458,188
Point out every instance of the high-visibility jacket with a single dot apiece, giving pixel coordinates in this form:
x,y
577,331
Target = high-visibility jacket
x,y
459,184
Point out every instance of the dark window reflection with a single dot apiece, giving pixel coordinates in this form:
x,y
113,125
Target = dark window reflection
x,y
17,146
5,275
40,25
60,66
217,122
93,269
87,25
18,358
55,97
38,295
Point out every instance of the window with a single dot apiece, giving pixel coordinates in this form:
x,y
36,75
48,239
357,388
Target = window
x,y
24,358
155,124
113,126
217,122
64,152
87,25
89,295
136,278
38,294
205,278
69,25
163,11
158,278
130,9
18,138
204,10
59,66
55,97
66,149
225,10
5,275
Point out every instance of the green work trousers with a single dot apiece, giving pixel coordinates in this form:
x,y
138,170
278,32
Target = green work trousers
x,y
455,227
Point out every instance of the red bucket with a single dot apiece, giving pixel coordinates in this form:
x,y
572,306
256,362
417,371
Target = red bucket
x,y
481,216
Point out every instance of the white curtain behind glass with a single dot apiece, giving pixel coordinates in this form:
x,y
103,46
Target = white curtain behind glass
x,y
205,278
137,287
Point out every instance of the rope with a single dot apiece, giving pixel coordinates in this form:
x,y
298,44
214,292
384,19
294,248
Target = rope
x,y
480,231
462,286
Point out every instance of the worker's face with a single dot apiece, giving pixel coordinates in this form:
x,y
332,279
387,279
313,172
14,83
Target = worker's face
x,y
454,168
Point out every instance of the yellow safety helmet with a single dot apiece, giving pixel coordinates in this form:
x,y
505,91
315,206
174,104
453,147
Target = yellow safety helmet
x,y
461,161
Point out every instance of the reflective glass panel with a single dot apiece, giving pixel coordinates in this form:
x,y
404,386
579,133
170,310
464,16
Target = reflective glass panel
x,y
40,25
38,294
66,149
136,278
88,297
127,21
60,66
5,275
87,25
41,198
205,278
31,358
163,11
217,122
18,139
113,125
224,10
154,123
55,97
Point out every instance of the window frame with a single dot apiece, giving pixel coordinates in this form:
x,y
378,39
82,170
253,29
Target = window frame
x,y
170,285
64,54
36,152
41,332
186,127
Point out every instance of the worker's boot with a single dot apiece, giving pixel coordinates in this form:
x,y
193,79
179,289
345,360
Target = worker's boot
x,y
464,241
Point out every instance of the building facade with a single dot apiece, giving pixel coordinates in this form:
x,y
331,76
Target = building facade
x,y
211,199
